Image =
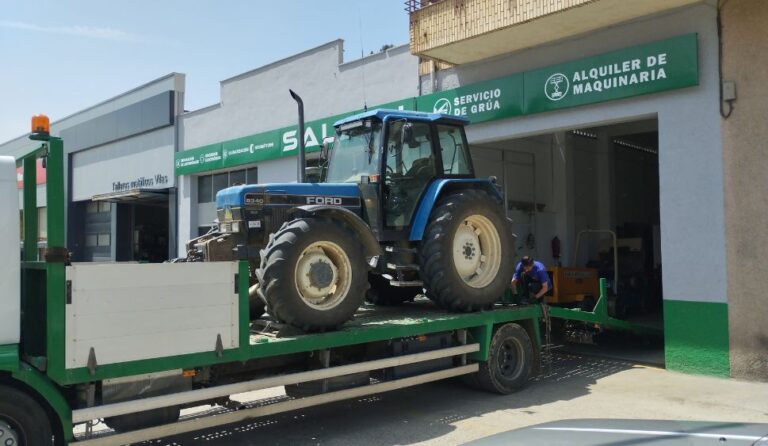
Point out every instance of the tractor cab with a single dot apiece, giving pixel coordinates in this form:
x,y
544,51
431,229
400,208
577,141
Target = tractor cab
x,y
400,153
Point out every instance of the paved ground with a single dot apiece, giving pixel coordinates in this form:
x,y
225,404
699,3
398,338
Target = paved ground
x,y
447,413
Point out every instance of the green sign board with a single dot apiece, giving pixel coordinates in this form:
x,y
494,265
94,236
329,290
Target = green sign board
x,y
658,66
483,101
264,146
651,68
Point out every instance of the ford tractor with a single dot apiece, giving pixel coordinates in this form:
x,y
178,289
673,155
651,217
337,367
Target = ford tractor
x,y
399,213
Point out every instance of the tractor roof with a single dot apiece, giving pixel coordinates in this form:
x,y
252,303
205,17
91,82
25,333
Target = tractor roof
x,y
403,114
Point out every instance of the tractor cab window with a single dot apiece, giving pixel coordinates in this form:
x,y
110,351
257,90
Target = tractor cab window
x,y
454,150
410,165
355,153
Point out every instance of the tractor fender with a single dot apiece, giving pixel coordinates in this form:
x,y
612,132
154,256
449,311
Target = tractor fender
x,y
371,245
438,188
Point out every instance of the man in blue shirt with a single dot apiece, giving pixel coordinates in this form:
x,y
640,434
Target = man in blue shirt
x,y
534,277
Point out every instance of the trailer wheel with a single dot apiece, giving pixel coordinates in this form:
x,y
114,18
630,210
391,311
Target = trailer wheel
x,y
384,294
510,361
23,422
465,256
313,274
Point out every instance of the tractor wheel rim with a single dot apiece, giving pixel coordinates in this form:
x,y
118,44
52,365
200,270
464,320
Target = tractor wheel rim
x,y
8,435
477,251
323,275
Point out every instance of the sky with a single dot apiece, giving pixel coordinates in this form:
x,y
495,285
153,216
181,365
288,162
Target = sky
x,y
60,56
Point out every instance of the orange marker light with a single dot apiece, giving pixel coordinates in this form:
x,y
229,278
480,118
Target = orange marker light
x,y
41,124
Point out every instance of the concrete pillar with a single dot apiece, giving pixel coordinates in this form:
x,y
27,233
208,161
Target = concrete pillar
x,y
744,134
563,193
606,193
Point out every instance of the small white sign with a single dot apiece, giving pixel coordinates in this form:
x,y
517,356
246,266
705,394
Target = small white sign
x,y
254,224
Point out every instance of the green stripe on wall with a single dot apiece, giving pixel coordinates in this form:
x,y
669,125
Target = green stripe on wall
x,y
696,337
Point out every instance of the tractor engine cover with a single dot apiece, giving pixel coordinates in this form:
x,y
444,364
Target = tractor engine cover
x,y
249,214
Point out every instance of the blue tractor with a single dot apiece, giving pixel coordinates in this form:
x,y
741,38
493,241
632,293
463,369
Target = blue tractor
x,y
398,213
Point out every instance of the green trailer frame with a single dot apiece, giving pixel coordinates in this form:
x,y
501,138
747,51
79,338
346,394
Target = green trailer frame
x,y
37,364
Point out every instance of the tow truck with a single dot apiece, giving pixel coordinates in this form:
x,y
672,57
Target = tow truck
x,y
133,344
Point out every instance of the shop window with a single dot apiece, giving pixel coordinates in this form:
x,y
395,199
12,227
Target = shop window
x,y
252,176
205,189
237,178
98,207
209,185
104,239
94,240
220,181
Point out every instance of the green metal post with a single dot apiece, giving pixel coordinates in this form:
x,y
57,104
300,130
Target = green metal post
x,y
56,268
29,164
55,193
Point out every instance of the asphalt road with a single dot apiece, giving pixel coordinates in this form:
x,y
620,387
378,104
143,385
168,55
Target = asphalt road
x,y
447,413
438,413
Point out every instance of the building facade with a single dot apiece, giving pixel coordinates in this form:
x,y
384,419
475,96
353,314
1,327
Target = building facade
x,y
600,119
659,161
120,183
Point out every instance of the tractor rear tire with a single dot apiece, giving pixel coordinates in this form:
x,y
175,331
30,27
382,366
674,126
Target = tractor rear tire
x,y
465,254
383,294
313,274
510,361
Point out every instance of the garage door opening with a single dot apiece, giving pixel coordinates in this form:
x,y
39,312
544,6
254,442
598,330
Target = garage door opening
x,y
585,202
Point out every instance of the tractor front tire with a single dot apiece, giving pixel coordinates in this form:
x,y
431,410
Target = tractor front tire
x,y
466,251
383,294
313,274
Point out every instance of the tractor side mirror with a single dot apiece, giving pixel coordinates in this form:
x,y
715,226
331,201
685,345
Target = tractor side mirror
x,y
325,149
408,136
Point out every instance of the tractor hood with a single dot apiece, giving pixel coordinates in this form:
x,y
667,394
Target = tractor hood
x,y
296,194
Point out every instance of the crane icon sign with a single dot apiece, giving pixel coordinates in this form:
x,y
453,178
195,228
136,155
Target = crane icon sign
x,y
556,87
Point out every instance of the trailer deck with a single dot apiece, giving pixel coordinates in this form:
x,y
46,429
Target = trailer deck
x,y
372,323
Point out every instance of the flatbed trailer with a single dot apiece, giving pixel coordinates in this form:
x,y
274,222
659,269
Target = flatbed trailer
x,y
132,344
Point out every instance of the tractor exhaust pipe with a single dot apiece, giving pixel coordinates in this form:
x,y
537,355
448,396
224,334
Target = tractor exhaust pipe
x,y
302,176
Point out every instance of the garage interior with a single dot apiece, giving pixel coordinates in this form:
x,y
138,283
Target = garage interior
x,y
567,193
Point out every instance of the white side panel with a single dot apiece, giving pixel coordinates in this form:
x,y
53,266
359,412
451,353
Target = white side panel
x,y
128,312
10,274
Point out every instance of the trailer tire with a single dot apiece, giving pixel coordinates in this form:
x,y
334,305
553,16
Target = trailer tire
x,y
465,261
510,361
22,418
383,294
305,264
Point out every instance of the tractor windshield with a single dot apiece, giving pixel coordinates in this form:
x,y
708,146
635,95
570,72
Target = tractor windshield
x,y
355,153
